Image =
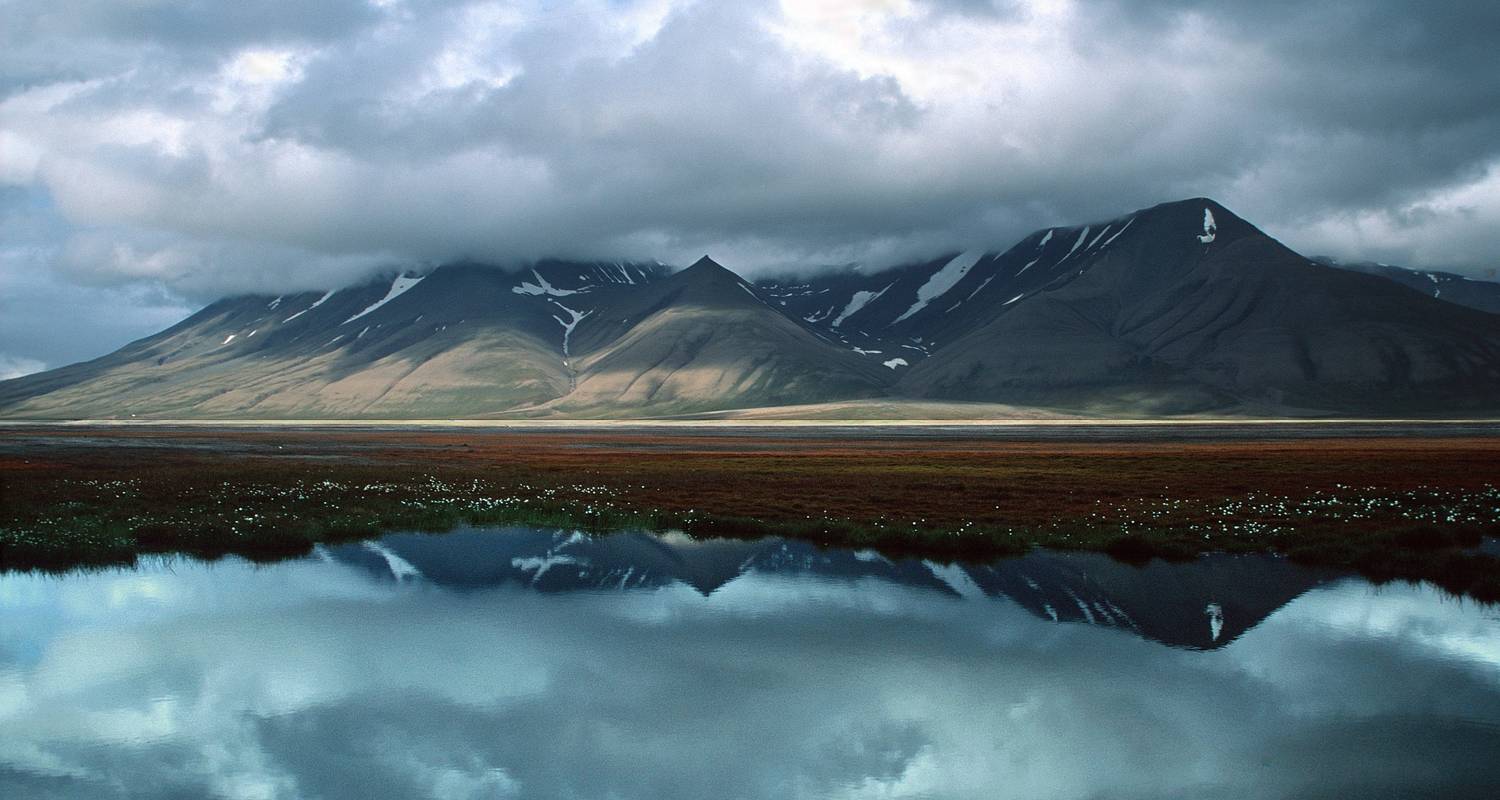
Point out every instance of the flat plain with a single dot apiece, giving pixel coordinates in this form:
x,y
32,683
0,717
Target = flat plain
x,y
1407,500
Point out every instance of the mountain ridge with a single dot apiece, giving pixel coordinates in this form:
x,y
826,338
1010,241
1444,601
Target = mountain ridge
x,y
1180,308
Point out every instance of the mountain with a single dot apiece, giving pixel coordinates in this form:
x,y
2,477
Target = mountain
x,y
1179,308
1460,289
1183,308
462,340
703,339
1203,604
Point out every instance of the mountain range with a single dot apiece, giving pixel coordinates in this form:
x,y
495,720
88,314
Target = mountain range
x,y
1180,309
1465,291
1203,604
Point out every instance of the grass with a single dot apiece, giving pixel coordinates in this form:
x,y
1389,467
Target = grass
x,y
1389,509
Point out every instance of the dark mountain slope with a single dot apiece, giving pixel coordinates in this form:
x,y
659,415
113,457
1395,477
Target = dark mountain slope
x,y
1193,308
911,311
1483,295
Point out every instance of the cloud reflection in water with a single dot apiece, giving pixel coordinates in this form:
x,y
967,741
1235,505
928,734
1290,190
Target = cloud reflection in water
x,y
315,679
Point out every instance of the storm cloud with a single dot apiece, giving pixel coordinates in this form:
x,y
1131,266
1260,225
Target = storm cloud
x,y
160,154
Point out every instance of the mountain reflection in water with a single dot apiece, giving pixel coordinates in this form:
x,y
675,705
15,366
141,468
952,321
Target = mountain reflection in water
x,y
1206,603
551,664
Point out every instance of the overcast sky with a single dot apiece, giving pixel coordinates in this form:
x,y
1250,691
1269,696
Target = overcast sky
x,y
155,155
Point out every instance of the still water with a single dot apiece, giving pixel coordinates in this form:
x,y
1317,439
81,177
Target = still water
x,y
549,664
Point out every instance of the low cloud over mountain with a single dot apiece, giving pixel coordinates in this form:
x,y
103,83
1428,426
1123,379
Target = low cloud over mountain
x,y
1182,308
207,149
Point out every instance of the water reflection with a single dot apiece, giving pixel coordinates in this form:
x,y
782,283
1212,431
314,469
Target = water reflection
x,y
485,665
1203,604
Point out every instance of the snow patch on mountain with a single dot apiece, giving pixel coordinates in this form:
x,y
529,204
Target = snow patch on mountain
x,y
1077,244
943,280
401,569
984,283
857,302
574,317
625,273
320,301
980,289
955,578
896,362
541,287
1088,613
1210,228
1215,614
541,564
400,286
1110,240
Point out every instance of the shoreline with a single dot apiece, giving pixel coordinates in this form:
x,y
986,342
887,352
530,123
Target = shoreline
x,y
1387,506
648,422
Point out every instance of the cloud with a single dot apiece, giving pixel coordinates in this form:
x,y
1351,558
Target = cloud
x,y
206,147
15,366
185,24
51,315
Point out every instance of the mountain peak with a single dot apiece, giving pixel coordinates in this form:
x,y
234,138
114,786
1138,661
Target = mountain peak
x,y
1206,219
706,263
708,272
1189,205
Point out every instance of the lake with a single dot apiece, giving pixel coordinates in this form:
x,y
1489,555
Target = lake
x,y
546,664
